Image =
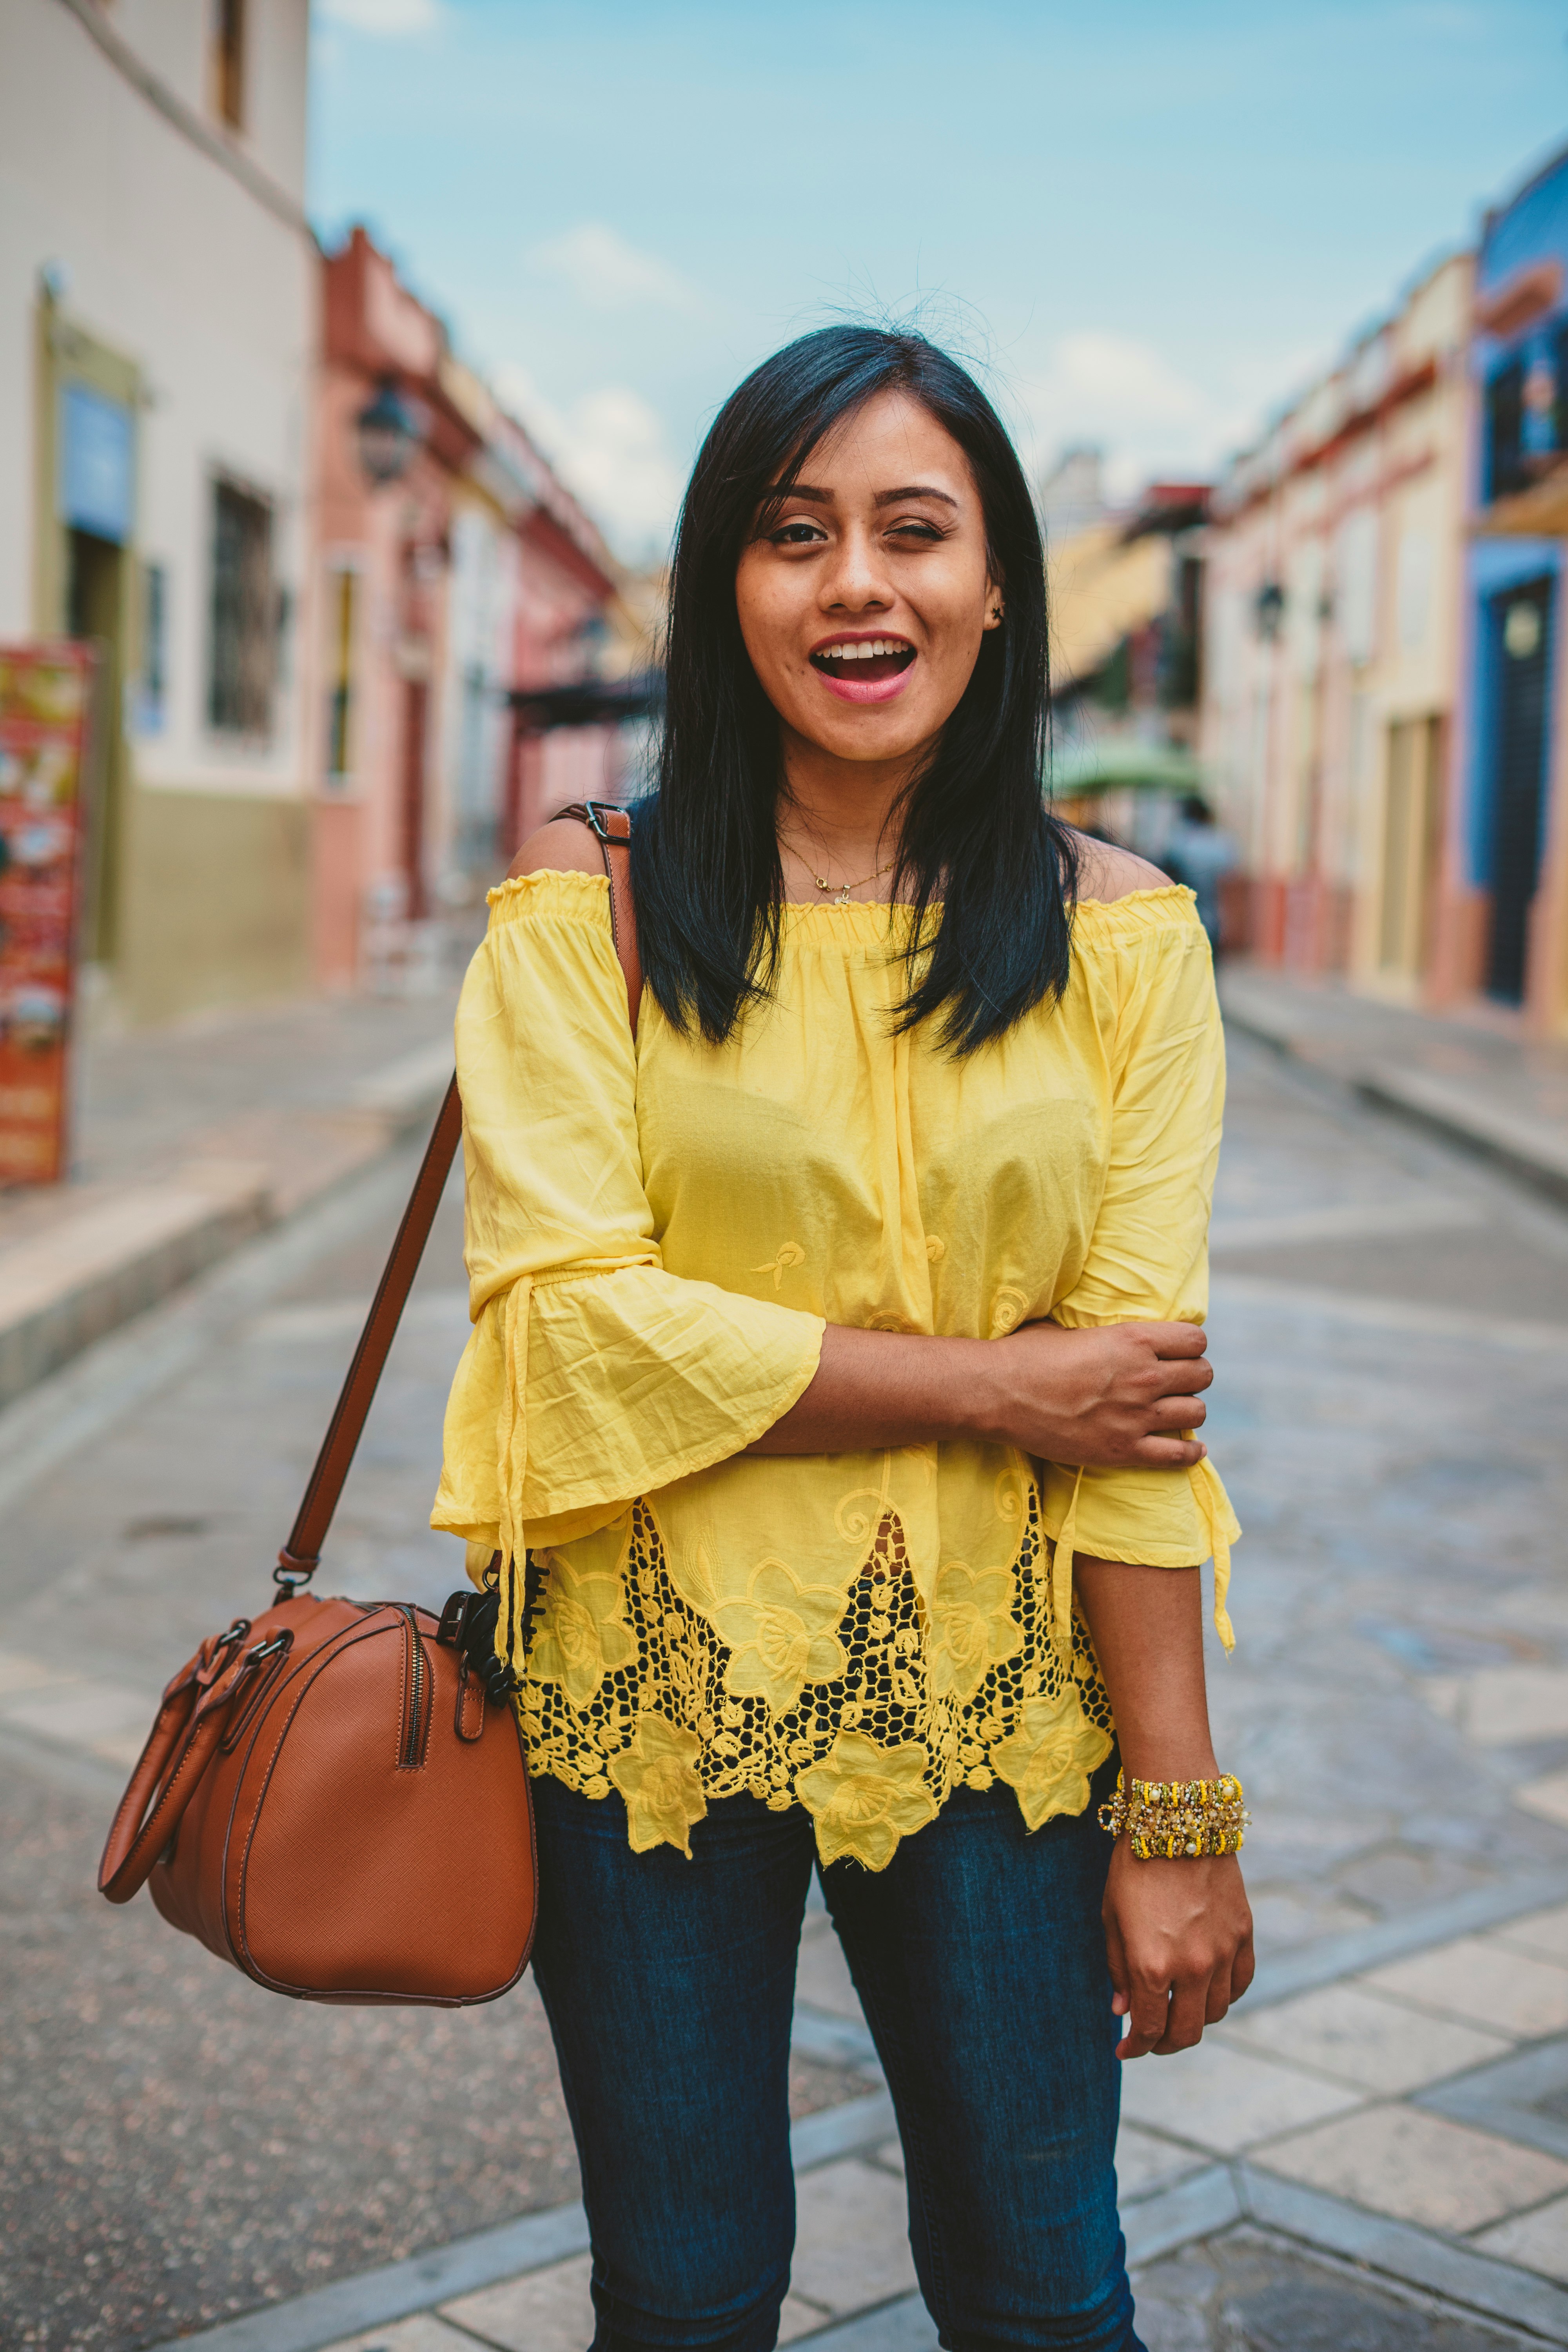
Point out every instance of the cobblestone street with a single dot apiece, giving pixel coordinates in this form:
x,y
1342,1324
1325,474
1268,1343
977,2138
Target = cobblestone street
x,y
1373,2154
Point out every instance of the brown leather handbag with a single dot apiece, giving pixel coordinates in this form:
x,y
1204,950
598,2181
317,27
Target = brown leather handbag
x,y
334,1796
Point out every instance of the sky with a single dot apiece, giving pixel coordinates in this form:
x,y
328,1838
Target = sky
x,y
1144,222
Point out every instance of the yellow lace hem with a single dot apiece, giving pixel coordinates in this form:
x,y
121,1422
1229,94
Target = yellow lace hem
x,y
632,1689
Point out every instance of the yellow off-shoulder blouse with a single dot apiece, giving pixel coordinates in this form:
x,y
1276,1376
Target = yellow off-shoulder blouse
x,y
657,1233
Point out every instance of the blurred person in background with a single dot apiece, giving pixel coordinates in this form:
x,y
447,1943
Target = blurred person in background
x,y
1199,852
829,1412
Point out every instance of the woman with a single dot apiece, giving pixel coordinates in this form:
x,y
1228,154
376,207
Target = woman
x,y
836,1362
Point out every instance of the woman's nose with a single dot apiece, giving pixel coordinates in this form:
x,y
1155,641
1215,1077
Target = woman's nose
x,y
857,581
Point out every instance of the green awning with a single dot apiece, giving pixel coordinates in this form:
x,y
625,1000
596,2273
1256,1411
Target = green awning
x,y
1121,761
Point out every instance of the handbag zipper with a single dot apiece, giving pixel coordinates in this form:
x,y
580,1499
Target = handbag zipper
x,y
412,1756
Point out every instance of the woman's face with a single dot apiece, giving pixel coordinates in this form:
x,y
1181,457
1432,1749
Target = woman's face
x,y
864,601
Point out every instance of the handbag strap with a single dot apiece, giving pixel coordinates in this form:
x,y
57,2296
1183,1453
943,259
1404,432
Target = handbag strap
x,y
301,1555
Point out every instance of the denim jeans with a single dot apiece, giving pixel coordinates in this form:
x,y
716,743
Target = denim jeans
x,y
979,1958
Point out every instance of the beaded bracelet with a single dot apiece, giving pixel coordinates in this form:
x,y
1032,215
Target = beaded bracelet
x,y
1175,1818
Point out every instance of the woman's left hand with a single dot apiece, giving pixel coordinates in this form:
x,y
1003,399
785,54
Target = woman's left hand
x,y
1178,1935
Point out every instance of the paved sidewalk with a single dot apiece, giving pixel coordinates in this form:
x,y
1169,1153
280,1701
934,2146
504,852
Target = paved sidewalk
x,y
1381,2156
1370,2156
1469,1076
189,1141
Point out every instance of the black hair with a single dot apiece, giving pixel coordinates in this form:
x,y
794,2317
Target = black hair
x,y
991,874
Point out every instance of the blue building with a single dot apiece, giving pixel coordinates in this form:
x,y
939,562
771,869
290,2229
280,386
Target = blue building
x,y
1516,797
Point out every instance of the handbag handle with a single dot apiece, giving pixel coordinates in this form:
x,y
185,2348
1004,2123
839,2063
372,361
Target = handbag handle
x,y
189,1724
301,1555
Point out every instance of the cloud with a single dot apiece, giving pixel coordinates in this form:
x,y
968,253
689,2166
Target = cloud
x,y
609,274
611,450
1129,399
393,19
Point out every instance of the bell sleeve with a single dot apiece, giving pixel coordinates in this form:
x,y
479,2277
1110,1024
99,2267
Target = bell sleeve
x,y
1147,1256
591,1375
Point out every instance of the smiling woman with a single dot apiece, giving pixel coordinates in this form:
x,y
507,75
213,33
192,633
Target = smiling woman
x,y
912,523
829,1421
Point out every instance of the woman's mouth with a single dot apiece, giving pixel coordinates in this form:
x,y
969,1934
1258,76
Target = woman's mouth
x,y
863,669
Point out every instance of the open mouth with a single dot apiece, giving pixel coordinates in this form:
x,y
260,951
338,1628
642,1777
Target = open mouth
x,y
863,661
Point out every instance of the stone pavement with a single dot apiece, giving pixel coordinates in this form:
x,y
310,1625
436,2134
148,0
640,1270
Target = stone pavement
x,y
189,1139
1372,2153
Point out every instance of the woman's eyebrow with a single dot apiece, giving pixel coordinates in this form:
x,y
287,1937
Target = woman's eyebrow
x,y
915,490
883,499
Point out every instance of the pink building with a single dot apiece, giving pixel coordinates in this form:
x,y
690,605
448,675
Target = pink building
x,y
453,573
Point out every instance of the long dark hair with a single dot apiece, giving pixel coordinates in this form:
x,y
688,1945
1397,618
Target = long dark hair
x,y
977,842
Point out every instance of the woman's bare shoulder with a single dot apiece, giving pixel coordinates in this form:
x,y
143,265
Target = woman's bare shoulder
x,y
564,845
1106,872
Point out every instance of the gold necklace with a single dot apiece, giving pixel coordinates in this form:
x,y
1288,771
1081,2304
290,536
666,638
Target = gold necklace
x,y
844,888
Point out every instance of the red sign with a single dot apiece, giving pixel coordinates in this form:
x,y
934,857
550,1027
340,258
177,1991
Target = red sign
x,y
45,693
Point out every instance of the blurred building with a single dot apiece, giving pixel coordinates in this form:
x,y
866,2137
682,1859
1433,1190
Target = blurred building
x,y
157,317
1331,672
457,577
1125,603
1511,846
1072,493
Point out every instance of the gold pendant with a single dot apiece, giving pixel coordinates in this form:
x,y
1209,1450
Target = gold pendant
x,y
843,897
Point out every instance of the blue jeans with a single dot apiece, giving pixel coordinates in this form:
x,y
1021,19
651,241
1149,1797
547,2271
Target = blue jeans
x,y
979,1957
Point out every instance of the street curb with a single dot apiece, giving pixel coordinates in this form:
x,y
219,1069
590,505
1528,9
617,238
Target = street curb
x,y
374,2298
1522,1148
1400,2250
176,1230
36,1341
47,1423
905,2326
1530,1155
1336,1957
1199,2207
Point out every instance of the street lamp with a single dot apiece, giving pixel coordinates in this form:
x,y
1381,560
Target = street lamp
x,y
387,432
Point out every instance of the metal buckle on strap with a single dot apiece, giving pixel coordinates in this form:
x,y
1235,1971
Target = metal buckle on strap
x,y
220,1657
250,1684
596,815
293,1574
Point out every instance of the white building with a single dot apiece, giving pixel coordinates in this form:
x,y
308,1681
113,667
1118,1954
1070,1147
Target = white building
x,y
1331,664
159,296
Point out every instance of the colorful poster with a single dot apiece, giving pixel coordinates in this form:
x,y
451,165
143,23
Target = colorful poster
x,y
45,699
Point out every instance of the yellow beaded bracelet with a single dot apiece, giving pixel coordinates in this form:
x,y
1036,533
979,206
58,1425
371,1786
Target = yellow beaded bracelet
x,y
1177,1819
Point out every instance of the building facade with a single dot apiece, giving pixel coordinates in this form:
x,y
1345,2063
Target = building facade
x,y
454,577
1512,846
157,329
1332,661
1125,597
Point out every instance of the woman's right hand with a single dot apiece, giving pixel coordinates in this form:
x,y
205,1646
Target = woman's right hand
x,y
1115,1396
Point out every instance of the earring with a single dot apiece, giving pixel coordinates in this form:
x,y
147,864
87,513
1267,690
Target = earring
x,y
996,612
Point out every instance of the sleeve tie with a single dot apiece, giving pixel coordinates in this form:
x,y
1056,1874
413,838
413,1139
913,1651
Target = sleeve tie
x,y
1061,1574
512,1424
1213,1509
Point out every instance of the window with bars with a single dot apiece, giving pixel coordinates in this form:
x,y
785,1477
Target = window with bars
x,y
342,598
226,61
153,668
243,653
1505,466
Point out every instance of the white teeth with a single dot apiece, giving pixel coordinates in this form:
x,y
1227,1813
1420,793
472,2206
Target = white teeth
x,y
864,650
